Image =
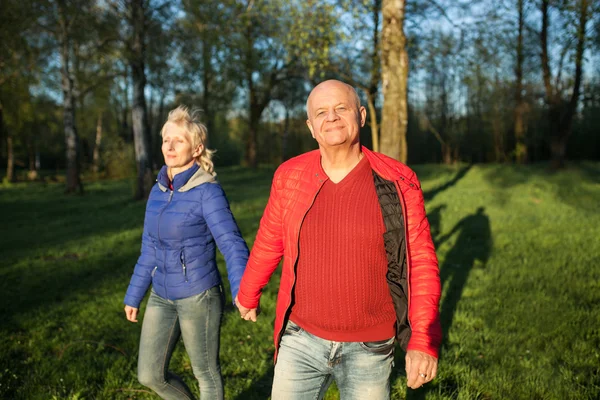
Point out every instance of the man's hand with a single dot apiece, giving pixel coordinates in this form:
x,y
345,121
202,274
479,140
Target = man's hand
x,y
249,314
420,368
131,313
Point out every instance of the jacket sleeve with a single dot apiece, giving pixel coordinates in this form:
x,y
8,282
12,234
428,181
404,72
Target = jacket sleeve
x,y
266,252
222,225
424,279
142,273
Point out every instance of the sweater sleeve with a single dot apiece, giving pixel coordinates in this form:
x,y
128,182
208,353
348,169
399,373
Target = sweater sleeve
x,y
224,229
424,280
266,253
142,273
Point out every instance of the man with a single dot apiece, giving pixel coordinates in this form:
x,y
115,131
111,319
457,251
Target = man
x,y
359,270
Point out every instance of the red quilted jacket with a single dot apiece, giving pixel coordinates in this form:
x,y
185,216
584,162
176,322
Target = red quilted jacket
x,y
295,186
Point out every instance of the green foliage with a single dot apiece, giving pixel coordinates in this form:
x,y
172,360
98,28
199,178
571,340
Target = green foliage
x,y
119,159
517,248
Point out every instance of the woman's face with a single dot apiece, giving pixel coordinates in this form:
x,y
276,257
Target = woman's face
x,y
177,148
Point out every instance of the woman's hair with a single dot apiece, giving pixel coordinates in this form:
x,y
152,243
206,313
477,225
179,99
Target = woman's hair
x,y
190,121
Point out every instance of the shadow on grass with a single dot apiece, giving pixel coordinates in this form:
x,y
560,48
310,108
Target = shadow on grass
x,y
430,194
261,388
472,249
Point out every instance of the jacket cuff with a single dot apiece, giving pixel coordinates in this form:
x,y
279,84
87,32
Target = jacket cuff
x,y
423,349
246,301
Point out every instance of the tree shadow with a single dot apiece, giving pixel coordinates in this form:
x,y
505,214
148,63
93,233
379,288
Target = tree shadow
x,y
430,194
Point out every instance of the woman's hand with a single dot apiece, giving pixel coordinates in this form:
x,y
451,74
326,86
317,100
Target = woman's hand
x,y
131,313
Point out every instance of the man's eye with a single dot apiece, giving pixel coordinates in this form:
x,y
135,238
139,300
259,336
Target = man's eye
x,y
341,108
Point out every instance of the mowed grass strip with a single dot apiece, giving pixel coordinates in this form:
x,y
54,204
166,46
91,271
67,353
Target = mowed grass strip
x,y
519,255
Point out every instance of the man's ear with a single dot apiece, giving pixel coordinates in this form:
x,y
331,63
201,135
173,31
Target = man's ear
x,y
310,127
363,116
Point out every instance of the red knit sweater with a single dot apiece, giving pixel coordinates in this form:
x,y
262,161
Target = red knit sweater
x,y
341,293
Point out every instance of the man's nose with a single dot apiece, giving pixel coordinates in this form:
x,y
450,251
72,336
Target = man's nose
x,y
332,115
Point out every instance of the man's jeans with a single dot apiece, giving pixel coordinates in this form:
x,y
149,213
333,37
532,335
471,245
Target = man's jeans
x,y
306,366
198,320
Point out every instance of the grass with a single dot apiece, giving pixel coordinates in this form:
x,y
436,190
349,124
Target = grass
x,y
519,261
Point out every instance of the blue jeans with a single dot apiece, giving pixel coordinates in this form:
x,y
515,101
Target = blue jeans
x,y
306,366
197,319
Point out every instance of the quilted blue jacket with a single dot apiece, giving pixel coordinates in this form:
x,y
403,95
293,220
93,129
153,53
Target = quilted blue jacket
x,y
181,228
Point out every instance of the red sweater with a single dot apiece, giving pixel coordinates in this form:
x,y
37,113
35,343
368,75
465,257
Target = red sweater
x,y
341,293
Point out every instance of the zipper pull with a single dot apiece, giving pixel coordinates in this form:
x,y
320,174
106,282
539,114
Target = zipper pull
x,y
182,259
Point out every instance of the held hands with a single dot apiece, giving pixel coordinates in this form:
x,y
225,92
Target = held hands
x,y
420,368
249,314
131,313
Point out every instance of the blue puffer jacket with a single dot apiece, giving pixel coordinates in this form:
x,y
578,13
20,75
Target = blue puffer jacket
x,y
181,227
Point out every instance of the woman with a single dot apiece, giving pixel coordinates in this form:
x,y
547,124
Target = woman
x,y
187,212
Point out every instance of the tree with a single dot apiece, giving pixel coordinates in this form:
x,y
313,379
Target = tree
x,y
19,66
520,104
394,75
561,107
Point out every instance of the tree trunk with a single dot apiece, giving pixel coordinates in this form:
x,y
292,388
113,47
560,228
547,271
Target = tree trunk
x,y
207,77
10,157
520,106
139,115
373,121
561,113
71,138
375,77
254,114
286,134
251,139
394,71
96,154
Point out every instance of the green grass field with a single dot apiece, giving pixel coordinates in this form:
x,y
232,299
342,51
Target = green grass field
x,y
519,251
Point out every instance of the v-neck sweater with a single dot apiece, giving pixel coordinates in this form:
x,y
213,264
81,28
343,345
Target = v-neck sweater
x,y
341,293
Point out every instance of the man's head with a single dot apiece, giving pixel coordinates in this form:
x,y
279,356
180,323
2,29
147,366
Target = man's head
x,y
335,115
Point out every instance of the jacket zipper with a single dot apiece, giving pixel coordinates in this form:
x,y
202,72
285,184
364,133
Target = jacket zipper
x,y
154,271
182,259
158,234
279,334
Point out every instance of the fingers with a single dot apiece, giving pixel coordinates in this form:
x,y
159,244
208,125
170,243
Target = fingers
x,y
420,369
131,313
250,315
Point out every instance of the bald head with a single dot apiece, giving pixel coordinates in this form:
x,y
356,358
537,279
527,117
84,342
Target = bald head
x,y
332,85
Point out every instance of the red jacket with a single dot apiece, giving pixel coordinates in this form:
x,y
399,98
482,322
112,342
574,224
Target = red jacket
x,y
295,185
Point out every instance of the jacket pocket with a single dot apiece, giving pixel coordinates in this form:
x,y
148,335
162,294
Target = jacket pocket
x,y
380,346
183,266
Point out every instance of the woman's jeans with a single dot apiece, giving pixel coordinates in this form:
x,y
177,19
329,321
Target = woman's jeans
x,y
306,366
197,319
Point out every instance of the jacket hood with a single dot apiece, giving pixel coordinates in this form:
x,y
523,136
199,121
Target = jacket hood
x,y
186,180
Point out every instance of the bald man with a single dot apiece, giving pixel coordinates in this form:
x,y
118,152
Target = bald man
x,y
359,272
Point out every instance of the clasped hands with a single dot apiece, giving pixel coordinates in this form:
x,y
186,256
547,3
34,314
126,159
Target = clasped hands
x,y
249,314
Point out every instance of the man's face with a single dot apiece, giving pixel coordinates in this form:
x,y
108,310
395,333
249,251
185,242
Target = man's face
x,y
334,117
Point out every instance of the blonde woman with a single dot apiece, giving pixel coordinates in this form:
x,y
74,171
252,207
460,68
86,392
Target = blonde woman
x,y
187,217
